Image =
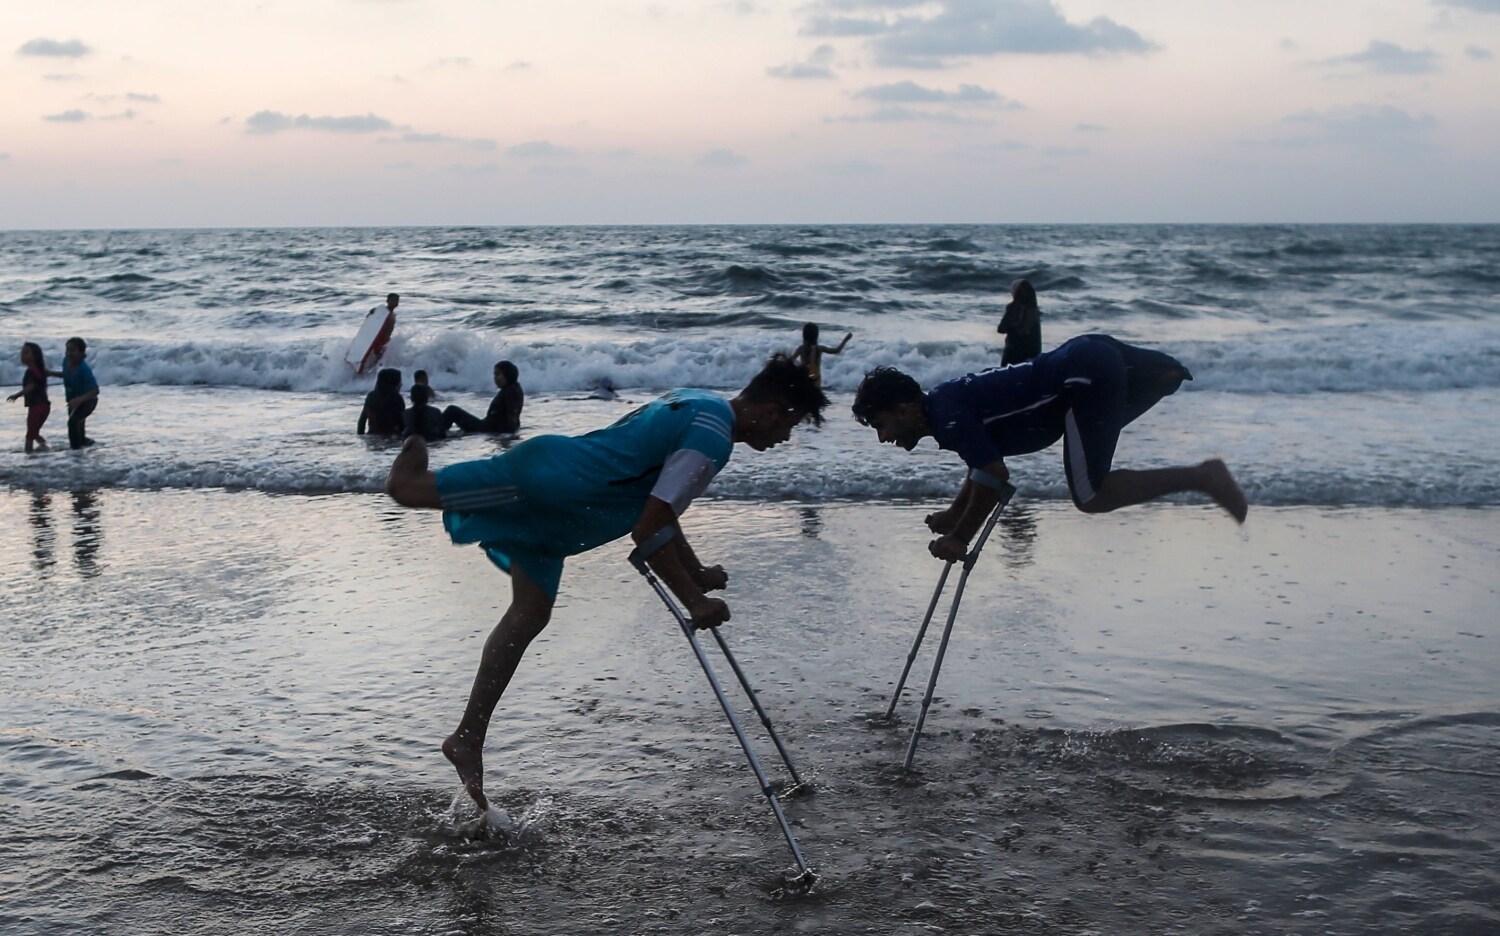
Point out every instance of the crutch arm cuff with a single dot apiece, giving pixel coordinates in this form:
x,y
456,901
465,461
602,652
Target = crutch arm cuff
x,y
993,482
648,546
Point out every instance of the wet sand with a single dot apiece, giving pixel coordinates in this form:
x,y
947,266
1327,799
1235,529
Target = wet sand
x,y
222,714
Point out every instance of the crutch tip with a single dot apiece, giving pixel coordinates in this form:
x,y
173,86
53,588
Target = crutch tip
x,y
797,885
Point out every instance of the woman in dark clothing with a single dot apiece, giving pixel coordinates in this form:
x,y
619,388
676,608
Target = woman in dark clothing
x,y
383,410
1021,325
504,414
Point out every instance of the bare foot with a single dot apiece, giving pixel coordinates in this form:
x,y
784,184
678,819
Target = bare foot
x,y
410,484
941,523
1225,491
470,766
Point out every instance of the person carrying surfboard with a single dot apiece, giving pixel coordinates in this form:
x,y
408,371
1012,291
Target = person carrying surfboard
x,y
374,334
1085,391
553,496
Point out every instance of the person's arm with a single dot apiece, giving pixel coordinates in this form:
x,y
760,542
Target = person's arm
x,y
667,563
1009,320
83,398
798,357
364,417
980,501
838,347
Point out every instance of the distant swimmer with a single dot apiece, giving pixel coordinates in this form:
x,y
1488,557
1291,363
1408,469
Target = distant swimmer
x,y
1021,325
553,496
810,354
33,394
81,390
383,409
1084,392
422,419
504,414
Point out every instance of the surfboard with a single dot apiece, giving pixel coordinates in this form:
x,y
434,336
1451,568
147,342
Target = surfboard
x,y
369,341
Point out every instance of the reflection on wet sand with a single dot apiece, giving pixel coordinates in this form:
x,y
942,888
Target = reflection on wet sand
x,y
88,534
43,537
1018,534
812,523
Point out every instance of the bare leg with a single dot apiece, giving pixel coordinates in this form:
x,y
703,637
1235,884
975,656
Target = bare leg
x,y
410,484
529,611
1123,488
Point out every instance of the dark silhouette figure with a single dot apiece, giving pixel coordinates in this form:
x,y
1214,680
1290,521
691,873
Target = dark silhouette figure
x,y
1021,325
505,409
383,409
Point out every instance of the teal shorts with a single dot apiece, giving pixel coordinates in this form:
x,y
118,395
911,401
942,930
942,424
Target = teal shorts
x,y
534,505
483,503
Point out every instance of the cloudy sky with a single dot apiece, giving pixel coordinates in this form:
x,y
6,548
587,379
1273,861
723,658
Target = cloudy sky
x,y
122,113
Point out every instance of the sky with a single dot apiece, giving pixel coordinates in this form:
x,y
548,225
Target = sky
x,y
185,113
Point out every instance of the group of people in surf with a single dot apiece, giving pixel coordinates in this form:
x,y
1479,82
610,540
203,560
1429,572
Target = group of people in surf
x,y
551,496
385,414
79,387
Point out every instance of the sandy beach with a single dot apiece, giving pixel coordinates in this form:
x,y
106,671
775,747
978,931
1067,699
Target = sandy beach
x,y
225,709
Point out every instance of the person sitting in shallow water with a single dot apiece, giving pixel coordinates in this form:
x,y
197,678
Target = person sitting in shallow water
x,y
505,409
552,496
422,419
383,409
1084,392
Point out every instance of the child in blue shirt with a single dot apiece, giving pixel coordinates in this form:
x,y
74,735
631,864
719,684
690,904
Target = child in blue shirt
x,y
81,390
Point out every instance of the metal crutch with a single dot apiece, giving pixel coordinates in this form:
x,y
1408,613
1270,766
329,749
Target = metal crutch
x,y
1006,492
806,877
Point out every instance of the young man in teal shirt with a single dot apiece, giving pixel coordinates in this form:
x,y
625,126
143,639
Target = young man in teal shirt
x,y
557,496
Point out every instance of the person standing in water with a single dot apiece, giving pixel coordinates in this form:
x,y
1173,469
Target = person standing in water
x,y
551,497
1085,391
80,389
1021,325
34,391
504,414
810,354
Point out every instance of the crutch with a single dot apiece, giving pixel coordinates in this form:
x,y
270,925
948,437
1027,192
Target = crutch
x,y
1006,490
638,559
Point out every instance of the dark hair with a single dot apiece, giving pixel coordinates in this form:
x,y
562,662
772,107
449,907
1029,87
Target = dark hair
x,y
1024,293
781,381
82,345
37,357
512,374
882,389
419,376
420,394
810,333
389,378
390,296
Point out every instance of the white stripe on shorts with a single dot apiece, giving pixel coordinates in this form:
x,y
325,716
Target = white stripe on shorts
x,y
470,501
1078,461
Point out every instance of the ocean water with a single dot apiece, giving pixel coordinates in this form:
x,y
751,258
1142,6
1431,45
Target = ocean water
x,y
226,659
1333,365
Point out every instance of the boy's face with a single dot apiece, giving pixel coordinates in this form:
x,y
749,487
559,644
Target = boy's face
x,y
901,425
767,425
74,353
499,377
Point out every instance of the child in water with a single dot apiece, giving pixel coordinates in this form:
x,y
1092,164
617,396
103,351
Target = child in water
x,y
810,354
80,388
423,419
34,389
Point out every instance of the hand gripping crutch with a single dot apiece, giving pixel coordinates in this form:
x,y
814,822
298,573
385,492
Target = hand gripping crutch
x,y
1007,490
638,559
